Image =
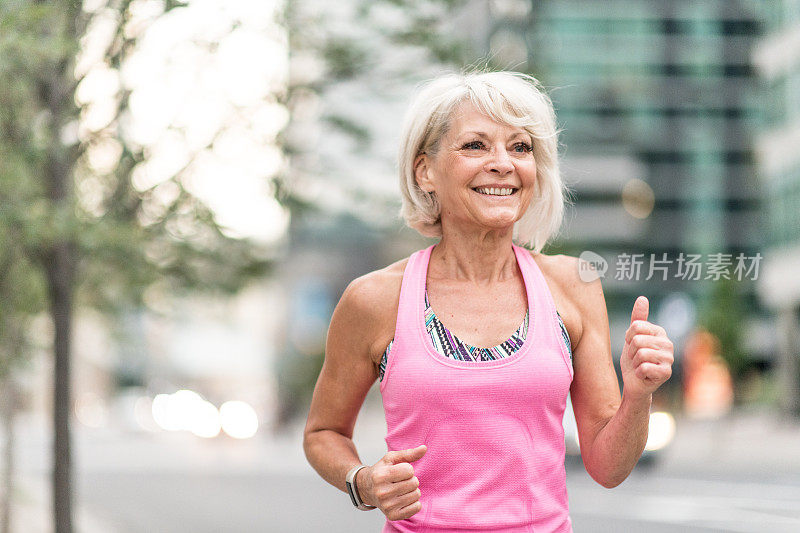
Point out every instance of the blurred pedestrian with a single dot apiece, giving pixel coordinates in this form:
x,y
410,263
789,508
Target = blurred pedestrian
x,y
476,340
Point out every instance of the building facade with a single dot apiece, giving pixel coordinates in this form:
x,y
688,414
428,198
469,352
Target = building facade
x,y
777,59
659,105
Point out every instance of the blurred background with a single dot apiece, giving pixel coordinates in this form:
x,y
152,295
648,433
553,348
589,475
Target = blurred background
x,y
187,187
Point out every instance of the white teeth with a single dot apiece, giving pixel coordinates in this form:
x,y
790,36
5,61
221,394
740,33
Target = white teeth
x,y
495,191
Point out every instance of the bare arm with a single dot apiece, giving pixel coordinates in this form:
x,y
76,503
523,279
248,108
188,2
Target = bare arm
x,y
346,376
361,326
613,430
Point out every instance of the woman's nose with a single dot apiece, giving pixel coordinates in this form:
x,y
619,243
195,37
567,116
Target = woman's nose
x,y
500,162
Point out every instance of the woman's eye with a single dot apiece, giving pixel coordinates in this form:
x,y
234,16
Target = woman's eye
x,y
473,145
522,147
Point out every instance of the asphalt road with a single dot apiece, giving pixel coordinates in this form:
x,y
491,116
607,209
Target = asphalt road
x,y
740,476
177,500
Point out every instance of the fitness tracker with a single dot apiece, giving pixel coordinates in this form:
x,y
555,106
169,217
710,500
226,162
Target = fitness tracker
x,y
352,490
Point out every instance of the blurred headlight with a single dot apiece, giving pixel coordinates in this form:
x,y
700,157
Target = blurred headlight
x,y
205,421
662,431
239,420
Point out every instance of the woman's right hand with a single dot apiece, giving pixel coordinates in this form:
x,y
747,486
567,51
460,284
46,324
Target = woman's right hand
x,y
390,484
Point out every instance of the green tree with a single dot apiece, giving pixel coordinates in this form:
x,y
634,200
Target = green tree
x,y
89,233
724,318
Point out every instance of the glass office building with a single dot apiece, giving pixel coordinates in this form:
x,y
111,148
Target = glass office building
x,y
659,106
777,61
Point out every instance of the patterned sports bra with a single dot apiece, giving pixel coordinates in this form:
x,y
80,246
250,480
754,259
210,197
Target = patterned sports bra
x,y
451,346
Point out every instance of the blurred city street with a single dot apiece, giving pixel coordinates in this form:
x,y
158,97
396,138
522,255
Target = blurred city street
x,y
188,188
739,474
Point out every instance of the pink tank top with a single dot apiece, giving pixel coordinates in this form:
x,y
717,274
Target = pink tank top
x,y
495,459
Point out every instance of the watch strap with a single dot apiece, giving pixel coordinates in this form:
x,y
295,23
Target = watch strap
x,y
352,489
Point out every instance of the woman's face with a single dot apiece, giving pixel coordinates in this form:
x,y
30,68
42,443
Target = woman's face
x,y
483,174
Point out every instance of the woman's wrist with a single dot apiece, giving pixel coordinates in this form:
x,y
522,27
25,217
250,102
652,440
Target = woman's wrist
x,y
361,481
636,403
352,488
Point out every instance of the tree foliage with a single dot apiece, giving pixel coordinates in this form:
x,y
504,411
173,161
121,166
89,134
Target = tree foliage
x,y
724,316
125,238
73,220
353,66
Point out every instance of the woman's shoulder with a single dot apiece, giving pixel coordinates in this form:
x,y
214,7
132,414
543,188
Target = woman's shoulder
x,y
371,290
574,292
371,301
559,265
561,270
567,269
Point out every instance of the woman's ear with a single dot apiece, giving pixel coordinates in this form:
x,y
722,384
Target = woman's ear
x,y
422,173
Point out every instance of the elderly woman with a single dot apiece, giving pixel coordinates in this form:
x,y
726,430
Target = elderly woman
x,y
476,340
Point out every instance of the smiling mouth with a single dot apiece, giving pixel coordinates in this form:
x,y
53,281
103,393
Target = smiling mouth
x,y
495,191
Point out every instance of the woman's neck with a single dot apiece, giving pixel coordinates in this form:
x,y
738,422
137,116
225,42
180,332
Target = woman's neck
x,y
480,258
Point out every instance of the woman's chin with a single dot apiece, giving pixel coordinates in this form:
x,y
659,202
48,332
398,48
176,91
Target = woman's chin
x,y
504,219
499,224
490,219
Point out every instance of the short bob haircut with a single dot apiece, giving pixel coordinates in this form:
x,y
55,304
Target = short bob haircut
x,y
512,98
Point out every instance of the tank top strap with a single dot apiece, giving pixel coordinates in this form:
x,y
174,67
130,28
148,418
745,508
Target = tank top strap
x,y
542,307
412,294
535,284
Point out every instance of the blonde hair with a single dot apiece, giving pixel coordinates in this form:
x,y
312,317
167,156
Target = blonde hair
x,y
512,98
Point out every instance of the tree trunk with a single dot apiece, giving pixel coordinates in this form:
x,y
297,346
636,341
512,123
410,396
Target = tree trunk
x,y
59,276
59,266
56,91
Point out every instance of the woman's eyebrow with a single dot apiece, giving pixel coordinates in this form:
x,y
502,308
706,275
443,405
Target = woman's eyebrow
x,y
484,135
476,133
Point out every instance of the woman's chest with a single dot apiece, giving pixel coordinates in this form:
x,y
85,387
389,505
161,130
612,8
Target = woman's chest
x,y
482,316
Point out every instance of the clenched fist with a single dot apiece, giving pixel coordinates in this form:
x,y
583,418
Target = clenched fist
x,y
647,357
390,484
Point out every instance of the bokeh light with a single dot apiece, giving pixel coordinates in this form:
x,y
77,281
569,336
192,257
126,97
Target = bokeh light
x,y
239,420
662,431
638,198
